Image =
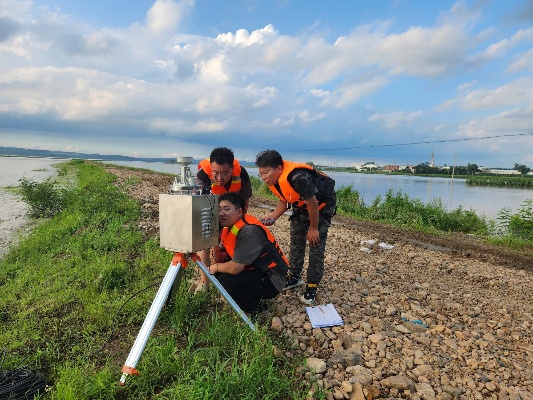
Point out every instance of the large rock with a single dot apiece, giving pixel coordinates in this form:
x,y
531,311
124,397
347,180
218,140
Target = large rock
x,y
346,358
399,382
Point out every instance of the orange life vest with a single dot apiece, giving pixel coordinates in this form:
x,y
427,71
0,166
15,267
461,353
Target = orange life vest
x,y
272,257
235,177
288,193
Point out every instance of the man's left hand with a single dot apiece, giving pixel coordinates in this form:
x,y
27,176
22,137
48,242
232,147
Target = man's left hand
x,y
313,237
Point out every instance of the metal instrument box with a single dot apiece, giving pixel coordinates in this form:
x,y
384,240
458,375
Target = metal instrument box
x,y
188,223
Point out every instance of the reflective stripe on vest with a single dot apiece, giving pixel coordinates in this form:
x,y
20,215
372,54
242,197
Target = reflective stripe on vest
x,y
235,178
229,240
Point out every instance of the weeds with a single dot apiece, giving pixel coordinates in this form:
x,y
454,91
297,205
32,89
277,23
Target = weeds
x,y
401,210
518,227
44,199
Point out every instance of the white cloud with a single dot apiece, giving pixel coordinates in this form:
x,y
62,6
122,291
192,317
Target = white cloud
x,y
517,92
164,16
354,89
503,46
283,121
182,127
244,39
319,92
212,70
422,51
395,119
306,116
522,62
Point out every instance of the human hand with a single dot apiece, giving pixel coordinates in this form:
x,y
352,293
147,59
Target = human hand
x,y
313,237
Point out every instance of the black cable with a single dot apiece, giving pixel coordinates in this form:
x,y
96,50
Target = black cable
x,y
20,383
116,318
24,384
424,142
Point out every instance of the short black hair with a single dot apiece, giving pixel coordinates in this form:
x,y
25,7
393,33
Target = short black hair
x,y
222,155
234,198
268,158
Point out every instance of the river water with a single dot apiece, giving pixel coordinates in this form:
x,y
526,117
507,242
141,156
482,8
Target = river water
x,y
12,209
453,193
486,201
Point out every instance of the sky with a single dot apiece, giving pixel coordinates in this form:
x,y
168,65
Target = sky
x,y
332,82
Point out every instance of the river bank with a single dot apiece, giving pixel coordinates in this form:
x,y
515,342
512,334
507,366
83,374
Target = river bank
x,y
431,318
13,219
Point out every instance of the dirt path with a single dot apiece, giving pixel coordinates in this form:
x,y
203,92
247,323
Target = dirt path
x,y
433,317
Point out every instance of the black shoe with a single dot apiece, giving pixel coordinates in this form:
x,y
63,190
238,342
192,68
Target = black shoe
x,y
310,295
292,282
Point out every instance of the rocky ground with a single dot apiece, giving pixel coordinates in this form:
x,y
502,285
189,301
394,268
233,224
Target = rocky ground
x,y
430,318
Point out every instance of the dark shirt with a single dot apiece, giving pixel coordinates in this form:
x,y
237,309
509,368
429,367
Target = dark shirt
x,y
251,241
246,184
303,182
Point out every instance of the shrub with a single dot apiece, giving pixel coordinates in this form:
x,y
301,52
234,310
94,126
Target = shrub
x,y
43,198
519,224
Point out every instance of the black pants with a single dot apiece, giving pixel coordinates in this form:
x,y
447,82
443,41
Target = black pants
x,y
247,288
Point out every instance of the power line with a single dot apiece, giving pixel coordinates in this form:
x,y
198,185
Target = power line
x,y
424,142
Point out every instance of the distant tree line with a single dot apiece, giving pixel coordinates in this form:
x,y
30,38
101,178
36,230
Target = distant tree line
x,y
522,168
469,169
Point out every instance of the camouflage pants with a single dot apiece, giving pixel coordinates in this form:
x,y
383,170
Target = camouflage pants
x,y
299,227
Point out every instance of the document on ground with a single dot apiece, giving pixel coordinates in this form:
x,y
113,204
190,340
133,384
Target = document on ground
x,y
324,315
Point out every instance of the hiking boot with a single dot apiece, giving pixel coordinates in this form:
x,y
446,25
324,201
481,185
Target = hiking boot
x,y
292,282
309,296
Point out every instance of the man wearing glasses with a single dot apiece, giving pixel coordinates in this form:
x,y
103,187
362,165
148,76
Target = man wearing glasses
x,y
311,195
220,174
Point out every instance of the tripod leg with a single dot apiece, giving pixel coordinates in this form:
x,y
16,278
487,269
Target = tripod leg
x,y
222,291
172,295
150,319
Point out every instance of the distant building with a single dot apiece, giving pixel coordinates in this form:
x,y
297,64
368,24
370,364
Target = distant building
x,y
391,168
368,166
505,172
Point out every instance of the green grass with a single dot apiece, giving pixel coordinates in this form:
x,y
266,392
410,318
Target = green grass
x,y
75,291
400,210
522,182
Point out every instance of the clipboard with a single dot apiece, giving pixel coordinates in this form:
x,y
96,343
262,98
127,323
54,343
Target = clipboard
x,y
322,316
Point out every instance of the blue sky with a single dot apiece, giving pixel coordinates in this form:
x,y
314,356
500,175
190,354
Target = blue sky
x,y
334,82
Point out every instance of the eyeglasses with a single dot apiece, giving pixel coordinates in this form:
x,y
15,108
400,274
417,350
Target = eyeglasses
x,y
264,174
222,174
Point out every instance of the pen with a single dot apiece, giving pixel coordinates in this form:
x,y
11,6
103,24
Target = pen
x,y
320,308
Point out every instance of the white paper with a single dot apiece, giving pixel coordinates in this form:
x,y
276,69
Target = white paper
x,y
324,315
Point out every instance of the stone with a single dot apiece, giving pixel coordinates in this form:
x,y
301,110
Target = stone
x,y
357,392
316,365
425,391
276,324
360,375
345,357
456,392
399,382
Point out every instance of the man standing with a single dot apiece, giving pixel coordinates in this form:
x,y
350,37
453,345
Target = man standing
x,y
249,263
311,195
220,174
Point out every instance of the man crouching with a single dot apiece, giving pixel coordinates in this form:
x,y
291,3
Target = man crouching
x,y
250,266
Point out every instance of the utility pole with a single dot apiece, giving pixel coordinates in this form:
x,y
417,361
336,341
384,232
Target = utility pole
x,y
453,172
